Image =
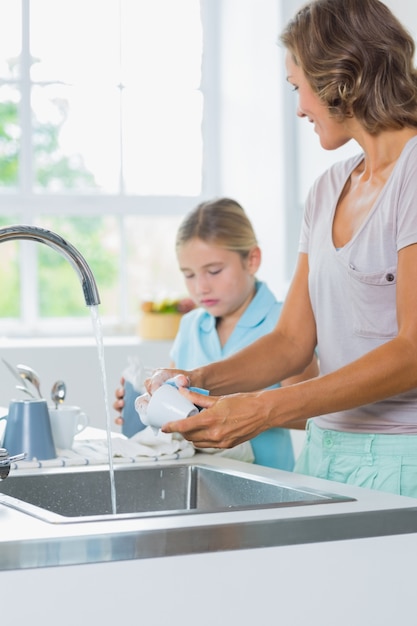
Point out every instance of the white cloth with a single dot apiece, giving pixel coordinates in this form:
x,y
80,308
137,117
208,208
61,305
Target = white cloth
x,y
143,447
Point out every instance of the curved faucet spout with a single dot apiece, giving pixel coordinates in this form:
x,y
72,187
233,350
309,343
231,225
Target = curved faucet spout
x,y
34,233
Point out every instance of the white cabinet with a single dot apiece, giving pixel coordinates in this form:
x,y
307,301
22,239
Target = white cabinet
x,y
360,582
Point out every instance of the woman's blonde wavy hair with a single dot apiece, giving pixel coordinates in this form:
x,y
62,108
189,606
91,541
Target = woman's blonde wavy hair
x,y
358,58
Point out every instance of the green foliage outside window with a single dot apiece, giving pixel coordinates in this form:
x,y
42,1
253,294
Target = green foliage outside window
x,y
59,289
9,277
9,144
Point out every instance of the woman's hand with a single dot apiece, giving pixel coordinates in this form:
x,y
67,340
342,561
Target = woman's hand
x,y
161,376
225,421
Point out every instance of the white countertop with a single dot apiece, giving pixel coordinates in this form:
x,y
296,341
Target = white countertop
x,y
24,534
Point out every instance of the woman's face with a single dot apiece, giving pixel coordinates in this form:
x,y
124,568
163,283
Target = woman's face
x,y
332,133
218,280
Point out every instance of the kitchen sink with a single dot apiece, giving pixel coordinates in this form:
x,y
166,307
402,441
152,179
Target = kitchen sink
x,y
73,495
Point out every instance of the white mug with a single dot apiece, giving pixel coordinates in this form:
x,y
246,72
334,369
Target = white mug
x,y
165,405
66,422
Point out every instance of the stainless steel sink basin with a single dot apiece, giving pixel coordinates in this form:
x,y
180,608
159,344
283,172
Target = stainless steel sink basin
x,y
73,495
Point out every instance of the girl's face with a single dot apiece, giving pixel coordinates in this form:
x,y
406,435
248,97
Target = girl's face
x,y
217,279
332,133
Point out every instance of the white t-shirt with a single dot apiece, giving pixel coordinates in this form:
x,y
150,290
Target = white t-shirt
x,y
353,289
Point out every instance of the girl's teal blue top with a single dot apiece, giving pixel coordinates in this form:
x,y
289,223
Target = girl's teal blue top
x,y
197,344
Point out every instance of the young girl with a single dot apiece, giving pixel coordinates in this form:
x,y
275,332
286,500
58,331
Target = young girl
x,y
219,256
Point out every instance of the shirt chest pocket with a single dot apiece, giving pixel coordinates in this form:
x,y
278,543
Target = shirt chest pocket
x,y
373,302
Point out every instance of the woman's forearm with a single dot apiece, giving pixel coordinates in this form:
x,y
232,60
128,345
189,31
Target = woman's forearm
x,y
387,371
263,363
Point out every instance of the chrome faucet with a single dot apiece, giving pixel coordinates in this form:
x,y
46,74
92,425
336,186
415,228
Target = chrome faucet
x,y
85,275
67,250
6,459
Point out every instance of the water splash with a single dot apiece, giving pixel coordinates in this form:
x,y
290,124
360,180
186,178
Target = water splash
x,y
98,332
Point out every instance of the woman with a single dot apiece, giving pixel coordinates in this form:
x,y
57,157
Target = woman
x,y
354,290
219,256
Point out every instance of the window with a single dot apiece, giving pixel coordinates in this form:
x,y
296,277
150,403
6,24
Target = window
x,y
102,134
118,117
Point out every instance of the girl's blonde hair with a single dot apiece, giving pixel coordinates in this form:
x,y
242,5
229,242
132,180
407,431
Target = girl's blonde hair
x,y
221,222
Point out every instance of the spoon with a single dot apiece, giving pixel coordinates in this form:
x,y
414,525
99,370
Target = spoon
x,y
15,373
27,373
58,392
25,389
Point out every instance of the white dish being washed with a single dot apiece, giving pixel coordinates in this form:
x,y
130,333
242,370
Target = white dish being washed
x,y
165,405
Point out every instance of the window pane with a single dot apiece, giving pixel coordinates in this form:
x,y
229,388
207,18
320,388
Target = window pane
x,y
77,107
122,111
70,126
10,40
163,148
153,272
10,46
9,137
60,291
162,112
9,276
75,41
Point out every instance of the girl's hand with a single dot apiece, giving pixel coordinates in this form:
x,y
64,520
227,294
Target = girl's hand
x,y
118,404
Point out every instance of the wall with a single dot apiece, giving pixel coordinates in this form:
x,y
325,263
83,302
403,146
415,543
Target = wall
x,y
76,361
250,109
